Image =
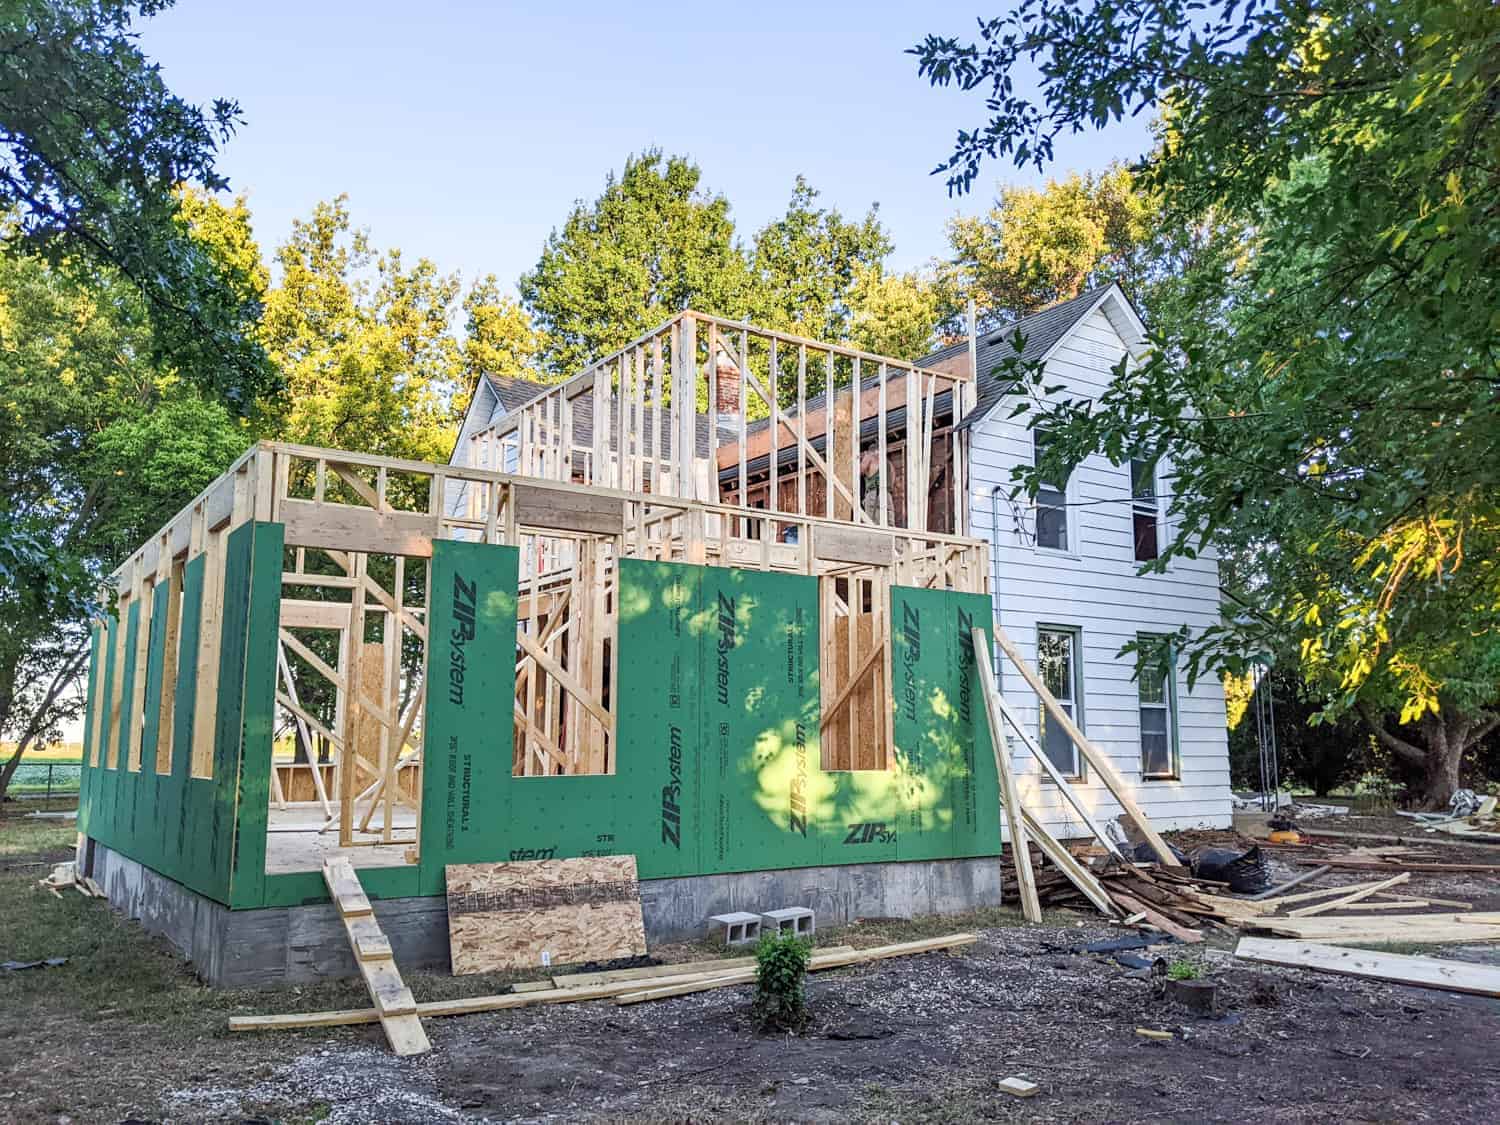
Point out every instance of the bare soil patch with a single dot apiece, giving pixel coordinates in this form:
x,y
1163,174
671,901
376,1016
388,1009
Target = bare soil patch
x,y
124,1032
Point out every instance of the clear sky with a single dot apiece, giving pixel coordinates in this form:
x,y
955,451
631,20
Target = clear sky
x,y
464,131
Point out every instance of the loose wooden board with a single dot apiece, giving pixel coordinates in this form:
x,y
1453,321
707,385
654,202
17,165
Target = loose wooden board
x,y
545,912
1398,968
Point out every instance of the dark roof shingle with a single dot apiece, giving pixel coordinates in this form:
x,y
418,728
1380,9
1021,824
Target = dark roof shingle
x,y
1040,333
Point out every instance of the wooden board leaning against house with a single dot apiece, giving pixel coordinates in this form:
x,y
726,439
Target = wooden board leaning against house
x,y
543,912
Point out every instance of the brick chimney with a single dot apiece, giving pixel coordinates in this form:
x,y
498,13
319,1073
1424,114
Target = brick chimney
x,y
728,377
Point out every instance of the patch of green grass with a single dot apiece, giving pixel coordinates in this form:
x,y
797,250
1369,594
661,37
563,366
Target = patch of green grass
x,y
22,836
1183,970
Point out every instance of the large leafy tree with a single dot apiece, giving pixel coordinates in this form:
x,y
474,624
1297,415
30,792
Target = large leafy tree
x,y
499,338
364,341
93,146
1330,384
99,445
898,314
1038,246
805,264
653,243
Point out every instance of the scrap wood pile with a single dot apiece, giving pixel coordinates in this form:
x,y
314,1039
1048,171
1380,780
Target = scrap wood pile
x,y
1179,903
65,875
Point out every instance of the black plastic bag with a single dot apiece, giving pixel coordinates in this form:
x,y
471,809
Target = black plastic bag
x,y
1245,872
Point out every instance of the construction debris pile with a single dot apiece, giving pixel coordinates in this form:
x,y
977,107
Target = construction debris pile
x,y
1180,904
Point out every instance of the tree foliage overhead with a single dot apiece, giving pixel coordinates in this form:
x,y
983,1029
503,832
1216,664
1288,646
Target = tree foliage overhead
x,y
92,149
1037,247
99,445
654,243
364,342
1330,383
805,264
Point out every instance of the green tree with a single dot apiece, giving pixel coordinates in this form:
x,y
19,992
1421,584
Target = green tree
x,y
364,343
92,149
805,264
653,243
1329,384
499,338
897,314
1036,247
99,446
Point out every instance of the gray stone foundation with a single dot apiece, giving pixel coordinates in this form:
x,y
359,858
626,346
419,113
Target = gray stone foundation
x,y
301,944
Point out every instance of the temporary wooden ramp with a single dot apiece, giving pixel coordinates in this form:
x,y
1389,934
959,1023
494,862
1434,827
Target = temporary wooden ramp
x,y
395,1006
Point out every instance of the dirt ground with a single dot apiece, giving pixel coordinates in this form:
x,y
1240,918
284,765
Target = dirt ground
x,y
123,1032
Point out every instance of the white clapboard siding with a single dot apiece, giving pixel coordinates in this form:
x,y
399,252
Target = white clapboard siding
x,y
1095,588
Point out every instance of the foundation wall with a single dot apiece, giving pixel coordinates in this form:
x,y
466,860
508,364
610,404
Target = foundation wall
x,y
301,944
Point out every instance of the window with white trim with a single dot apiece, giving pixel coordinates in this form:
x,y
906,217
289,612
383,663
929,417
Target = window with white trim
x,y
1145,509
1057,652
1155,683
1051,502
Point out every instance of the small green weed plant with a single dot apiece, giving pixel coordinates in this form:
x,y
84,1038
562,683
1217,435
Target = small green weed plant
x,y
780,982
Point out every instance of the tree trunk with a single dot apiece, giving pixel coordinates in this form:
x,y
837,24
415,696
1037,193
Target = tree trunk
x,y
1440,774
1438,750
8,771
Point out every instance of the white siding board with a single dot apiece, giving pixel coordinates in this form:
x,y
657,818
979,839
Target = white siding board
x,y
1096,588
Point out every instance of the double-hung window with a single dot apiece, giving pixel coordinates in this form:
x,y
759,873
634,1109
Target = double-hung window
x,y
1145,509
1158,705
1057,657
1051,502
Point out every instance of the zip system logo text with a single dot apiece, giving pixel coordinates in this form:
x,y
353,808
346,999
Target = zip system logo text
x,y
671,793
464,599
727,626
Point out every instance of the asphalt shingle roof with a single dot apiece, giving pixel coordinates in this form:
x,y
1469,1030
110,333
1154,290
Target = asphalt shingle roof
x,y
1040,332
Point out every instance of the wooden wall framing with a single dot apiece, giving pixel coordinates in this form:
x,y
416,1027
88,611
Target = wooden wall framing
x,y
691,408
354,529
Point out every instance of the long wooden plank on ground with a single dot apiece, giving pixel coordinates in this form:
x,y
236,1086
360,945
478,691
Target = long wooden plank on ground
x,y
687,968
832,959
1418,928
543,912
1354,896
1416,868
1015,819
395,1007
1095,757
1156,917
1397,968
825,961
1277,892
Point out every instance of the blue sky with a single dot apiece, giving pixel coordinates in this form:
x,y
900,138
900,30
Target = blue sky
x,y
465,131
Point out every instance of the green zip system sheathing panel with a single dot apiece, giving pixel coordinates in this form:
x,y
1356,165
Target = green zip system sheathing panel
x,y
181,826
717,762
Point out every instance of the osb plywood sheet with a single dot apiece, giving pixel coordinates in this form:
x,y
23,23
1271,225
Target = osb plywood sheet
x,y
542,913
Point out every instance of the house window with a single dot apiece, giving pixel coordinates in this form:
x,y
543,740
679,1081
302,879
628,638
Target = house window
x,y
1144,508
1051,502
1158,703
1057,657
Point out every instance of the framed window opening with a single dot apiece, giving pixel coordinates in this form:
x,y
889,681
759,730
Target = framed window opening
x,y
1059,659
1050,507
1156,687
1145,509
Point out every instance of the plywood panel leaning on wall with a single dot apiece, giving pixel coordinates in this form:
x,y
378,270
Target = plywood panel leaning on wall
x,y
543,913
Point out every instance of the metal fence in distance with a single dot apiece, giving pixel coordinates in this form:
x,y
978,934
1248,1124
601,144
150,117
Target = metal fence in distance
x,y
44,779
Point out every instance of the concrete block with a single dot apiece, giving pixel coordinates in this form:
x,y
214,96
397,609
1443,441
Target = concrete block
x,y
737,928
797,920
